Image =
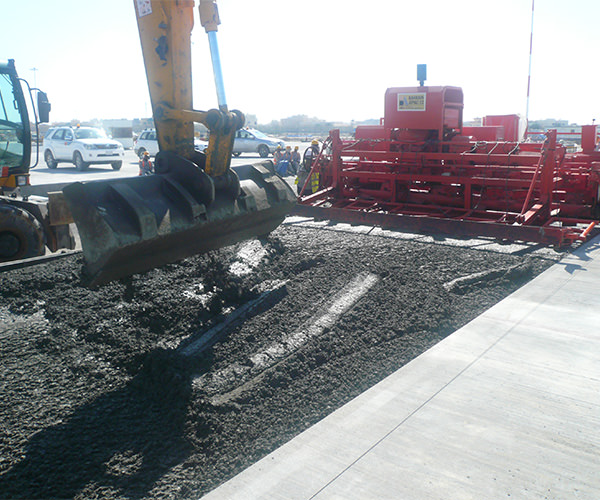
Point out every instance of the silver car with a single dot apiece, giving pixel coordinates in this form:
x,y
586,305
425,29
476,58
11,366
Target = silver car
x,y
147,141
250,140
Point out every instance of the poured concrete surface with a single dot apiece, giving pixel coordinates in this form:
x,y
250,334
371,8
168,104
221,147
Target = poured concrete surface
x,y
506,407
96,400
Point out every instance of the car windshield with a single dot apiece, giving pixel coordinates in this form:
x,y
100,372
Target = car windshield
x,y
90,133
259,134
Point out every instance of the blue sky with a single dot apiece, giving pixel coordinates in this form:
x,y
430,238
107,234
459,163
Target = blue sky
x,y
327,58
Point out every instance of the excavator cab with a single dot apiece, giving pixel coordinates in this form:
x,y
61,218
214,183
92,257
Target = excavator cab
x,y
15,133
195,202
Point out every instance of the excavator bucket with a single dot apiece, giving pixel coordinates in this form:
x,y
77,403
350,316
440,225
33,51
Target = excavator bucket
x,y
130,225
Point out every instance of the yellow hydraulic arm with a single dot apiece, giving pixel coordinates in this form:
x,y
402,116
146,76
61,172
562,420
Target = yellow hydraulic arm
x,y
165,28
196,202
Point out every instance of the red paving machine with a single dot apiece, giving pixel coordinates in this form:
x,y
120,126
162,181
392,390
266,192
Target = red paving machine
x,y
422,170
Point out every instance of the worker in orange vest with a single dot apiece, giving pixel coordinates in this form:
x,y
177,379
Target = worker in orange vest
x,y
146,167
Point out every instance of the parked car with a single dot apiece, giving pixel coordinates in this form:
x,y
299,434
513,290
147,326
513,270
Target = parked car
x,y
81,146
147,142
250,140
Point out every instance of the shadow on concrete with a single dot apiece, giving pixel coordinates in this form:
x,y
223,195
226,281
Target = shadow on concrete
x,y
122,442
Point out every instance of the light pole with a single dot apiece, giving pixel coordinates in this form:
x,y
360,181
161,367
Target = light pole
x,y
34,77
529,73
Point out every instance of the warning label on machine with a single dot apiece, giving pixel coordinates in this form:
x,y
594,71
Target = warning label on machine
x,y
411,102
144,7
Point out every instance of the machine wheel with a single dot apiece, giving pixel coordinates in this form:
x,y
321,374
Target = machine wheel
x,y
21,234
236,154
263,151
79,163
116,165
50,160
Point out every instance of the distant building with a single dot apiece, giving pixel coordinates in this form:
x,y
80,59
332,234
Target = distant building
x,y
475,122
565,132
120,130
140,124
549,123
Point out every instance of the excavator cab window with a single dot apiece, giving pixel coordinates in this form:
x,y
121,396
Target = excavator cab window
x,y
12,146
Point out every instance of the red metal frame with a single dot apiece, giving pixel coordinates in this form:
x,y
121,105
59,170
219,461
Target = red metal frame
x,y
410,178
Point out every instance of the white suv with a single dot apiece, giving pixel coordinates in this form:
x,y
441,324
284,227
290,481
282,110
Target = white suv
x,y
147,141
82,146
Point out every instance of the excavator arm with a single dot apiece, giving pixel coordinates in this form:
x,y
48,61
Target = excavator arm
x,y
165,29
196,202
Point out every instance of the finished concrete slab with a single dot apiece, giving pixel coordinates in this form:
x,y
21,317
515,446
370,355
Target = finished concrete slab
x,y
506,407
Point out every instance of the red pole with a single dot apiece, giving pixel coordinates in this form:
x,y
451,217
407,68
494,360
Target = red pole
x,y
547,172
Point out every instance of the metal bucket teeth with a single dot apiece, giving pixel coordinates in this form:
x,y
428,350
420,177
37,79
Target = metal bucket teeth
x,y
134,224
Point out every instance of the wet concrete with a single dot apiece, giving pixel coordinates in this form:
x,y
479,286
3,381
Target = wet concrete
x,y
96,401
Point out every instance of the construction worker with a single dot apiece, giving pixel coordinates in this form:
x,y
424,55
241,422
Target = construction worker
x,y
146,167
309,155
277,155
284,161
295,161
287,154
